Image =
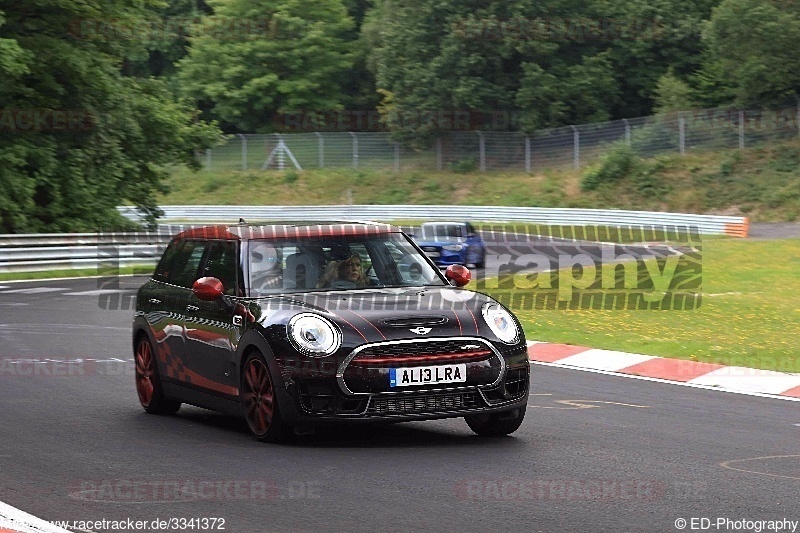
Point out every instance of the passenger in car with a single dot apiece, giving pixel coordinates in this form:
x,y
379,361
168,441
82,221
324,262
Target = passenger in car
x,y
344,274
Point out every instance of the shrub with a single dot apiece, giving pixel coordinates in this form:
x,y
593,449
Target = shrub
x,y
616,164
464,166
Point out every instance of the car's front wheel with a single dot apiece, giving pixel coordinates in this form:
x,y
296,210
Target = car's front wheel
x,y
496,424
261,406
148,383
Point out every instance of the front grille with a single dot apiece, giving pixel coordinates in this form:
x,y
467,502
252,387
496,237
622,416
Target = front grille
x,y
429,403
407,353
430,248
449,346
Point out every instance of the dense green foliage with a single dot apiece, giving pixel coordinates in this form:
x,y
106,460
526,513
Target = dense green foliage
x,y
77,136
278,57
99,99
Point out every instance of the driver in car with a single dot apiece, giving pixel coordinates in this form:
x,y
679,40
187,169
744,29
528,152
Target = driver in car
x,y
344,274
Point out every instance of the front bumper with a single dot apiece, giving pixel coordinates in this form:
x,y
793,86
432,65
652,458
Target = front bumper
x,y
495,381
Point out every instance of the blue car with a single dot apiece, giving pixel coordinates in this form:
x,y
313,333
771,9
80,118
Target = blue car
x,y
452,243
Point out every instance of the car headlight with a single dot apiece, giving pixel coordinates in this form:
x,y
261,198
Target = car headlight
x,y
314,335
500,322
453,247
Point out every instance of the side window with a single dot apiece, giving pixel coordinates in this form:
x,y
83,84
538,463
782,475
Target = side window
x,y
222,262
186,263
164,265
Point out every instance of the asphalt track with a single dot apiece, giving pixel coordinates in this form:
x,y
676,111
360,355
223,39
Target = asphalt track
x,y
595,453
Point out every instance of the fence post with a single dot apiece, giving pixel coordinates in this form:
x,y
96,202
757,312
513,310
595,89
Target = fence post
x,y
208,158
355,149
438,154
244,151
627,130
741,129
320,149
527,154
576,148
397,157
281,153
481,151
682,135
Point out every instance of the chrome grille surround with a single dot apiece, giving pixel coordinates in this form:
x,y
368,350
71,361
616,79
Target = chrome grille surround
x,y
399,346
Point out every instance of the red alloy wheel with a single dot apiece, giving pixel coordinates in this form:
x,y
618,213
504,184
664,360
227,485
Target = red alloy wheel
x,y
144,372
259,396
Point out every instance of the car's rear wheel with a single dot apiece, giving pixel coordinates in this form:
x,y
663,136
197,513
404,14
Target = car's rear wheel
x,y
261,406
148,382
496,424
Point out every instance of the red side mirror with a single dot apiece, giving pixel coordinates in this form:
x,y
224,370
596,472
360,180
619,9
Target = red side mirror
x,y
208,289
458,275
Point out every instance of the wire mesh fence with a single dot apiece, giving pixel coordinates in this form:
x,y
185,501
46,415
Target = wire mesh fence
x,y
575,146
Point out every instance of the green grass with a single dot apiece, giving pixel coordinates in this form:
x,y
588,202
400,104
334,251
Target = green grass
x,y
749,315
761,182
76,273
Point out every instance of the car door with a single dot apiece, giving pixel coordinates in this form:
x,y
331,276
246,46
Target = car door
x,y
213,328
175,294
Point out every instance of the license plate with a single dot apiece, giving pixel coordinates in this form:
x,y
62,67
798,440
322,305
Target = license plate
x,y
427,375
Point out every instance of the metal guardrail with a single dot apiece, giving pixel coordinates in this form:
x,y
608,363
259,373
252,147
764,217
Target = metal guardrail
x,y
101,258
106,251
705,224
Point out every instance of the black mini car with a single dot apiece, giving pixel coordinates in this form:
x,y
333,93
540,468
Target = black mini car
x,y
292,326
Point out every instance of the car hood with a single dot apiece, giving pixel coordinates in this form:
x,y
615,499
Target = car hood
x,y
374,315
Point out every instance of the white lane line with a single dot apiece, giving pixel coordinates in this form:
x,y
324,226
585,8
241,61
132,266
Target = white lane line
x,y
669,382
13,518
34,290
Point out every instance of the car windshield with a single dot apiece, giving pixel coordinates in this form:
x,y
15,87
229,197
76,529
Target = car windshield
x,y
287,265
443,232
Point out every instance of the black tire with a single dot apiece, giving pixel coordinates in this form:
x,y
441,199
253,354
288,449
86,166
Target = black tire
x,y
496,424
148,382
262,411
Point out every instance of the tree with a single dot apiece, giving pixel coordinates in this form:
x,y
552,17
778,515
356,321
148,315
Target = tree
x,y
78,138
550,63
751,49
281,56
